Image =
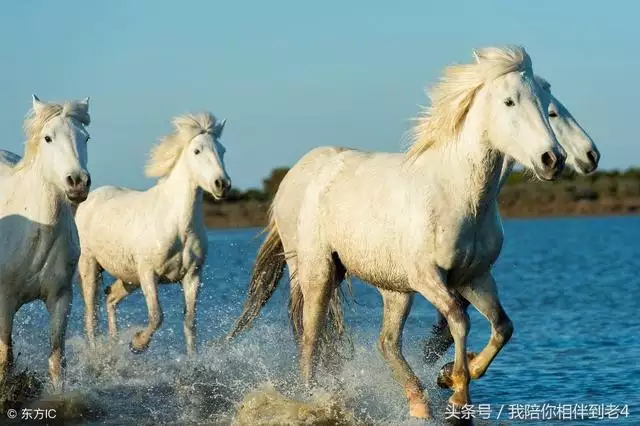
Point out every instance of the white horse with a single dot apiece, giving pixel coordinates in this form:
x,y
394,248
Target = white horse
x,y
426,222
144,238
582,155
39,239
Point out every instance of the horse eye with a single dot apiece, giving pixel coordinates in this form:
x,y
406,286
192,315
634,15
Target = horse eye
x,y
553,114
509,102
47,139
196,152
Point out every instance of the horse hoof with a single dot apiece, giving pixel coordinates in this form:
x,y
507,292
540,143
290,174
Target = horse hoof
x,y
444,376
420,411
136,351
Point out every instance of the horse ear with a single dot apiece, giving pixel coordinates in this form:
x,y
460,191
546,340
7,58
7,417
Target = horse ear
x,y
220,127
36,104
85,103
476,55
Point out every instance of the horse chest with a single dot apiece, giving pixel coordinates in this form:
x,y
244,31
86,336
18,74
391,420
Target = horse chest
x,y
184,255
47,263
471,251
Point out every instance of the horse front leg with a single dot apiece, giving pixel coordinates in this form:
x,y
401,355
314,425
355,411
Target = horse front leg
x,y
441,339
149,286
191,286
430,282
6,348
396,308
483,295
59,308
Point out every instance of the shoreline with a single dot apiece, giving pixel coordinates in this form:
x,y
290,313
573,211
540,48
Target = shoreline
x,y
253,214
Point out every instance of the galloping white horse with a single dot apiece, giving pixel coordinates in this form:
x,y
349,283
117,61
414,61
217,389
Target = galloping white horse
x,y
144,238
582,156
426,222
38,236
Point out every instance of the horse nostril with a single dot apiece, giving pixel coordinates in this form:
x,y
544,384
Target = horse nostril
x,y
71,181
218,184
593,157
549,160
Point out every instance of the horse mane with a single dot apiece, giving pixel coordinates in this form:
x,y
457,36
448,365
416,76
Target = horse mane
x,y
166,153
36,119
452,96
544,84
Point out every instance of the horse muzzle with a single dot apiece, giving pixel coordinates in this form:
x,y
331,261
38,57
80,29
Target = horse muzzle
x,y
78,185
221,187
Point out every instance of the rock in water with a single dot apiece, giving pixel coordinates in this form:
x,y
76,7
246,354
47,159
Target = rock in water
x,y
267,407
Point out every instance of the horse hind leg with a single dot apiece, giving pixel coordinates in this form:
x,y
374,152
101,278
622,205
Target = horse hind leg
x,y
90,274
333,335
117,291
396,308
315,279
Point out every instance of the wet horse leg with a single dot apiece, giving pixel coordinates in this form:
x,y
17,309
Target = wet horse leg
x,y
483,295
440,340
89,277
430,282
315,279
59,308
396,308
117,291
149,286
191,286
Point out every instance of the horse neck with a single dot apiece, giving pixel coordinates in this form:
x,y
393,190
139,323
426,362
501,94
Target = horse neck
x,y
507,168
184,196
44,202
468,168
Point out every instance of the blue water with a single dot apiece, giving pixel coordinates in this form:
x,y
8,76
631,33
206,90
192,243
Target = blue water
x,y
571,287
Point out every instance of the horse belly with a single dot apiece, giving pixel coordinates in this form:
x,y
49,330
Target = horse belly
x,y
379,269
120,266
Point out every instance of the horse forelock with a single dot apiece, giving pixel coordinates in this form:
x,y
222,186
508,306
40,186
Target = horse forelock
x,y
35,121
452,96
164,156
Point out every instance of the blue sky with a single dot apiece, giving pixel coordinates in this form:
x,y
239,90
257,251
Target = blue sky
x,y
292,75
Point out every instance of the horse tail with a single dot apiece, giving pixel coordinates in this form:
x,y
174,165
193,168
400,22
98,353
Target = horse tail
x,y
265,277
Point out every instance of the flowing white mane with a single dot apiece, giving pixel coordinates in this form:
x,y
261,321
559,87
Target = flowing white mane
x,y
165,154
35,121
451,98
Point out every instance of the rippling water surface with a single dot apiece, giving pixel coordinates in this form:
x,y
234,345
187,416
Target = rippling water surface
x,y
571,287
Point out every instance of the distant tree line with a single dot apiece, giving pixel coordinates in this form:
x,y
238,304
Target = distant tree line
x,y
266,193
606,183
